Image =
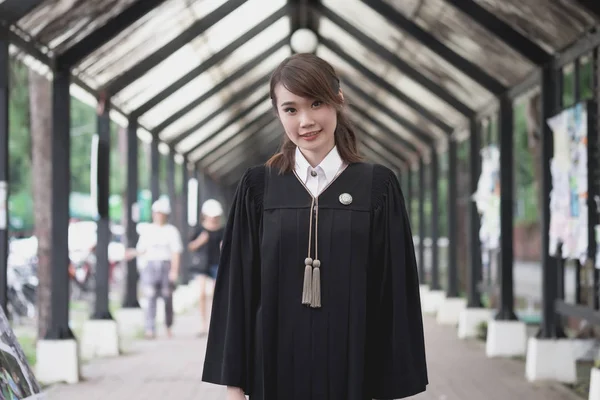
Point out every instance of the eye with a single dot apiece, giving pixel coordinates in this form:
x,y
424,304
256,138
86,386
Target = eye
x,y
317,104
289,110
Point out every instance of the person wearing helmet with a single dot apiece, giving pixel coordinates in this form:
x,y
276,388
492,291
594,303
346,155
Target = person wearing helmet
x,y
160,246
205,244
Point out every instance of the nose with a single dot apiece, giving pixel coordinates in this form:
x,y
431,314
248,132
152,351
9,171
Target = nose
x,y
306,120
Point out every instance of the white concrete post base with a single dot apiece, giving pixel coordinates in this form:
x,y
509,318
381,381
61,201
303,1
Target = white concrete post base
x,y
594,384
432,301
130,322
57,361
450,310
550,359
100,338
470,319
506,339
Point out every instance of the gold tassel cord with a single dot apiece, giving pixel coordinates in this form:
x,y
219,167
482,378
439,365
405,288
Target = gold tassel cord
x,y
307,290
316,273
316,285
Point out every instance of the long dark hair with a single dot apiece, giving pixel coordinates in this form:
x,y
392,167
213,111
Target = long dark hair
x,y
307,75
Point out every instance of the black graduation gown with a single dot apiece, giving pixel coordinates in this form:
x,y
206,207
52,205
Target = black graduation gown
x,y
366,341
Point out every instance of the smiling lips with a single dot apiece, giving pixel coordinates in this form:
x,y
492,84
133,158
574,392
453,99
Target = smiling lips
x,y
310,135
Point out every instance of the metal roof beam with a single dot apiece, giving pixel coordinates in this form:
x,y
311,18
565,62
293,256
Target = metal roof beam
x,y
386,85
215,59
583,45
427,39
302,15
592,6
241,114
231,78
12,11
254,127
92,42
364,115
240,153
503,31
378,158
196,29
294,13
382,147
408,125
255,154
236,98
397,62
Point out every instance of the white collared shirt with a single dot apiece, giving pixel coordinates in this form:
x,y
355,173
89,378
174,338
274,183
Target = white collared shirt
x,y
317,179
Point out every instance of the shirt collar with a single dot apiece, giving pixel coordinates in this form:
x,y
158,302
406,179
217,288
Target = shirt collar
x,y
330,165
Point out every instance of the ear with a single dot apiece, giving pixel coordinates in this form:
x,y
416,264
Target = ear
x,y
341,94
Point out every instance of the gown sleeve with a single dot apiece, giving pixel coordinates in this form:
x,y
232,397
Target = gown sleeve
x,y
228,358
396,365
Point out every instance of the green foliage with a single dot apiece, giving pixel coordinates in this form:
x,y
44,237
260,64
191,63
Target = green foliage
x,y
83,128
20,139
179,178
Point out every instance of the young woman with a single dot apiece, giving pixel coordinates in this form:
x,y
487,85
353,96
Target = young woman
x,y
206,247
317,296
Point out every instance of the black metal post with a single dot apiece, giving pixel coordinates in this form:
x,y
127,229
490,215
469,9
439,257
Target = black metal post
x,y
592,179
61,187
560,261
596,91
422,225
435,262
184,275
550,326
101,309
4,164
155,169
576,98
130,299
505,130
452,289
474,291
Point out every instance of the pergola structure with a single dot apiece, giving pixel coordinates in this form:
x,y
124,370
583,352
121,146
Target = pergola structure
x,y
419,76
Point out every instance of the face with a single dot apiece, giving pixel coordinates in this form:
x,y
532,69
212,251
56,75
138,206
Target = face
x,y
309,123
159,218
212,221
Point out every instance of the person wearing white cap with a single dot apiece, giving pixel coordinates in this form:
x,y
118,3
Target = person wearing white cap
x,y
205,245
160,246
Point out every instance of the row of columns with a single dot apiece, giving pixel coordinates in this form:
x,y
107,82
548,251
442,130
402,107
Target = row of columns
x,y
59,340
428,178
548,357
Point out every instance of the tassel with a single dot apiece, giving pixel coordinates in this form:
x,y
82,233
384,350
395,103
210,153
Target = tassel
x,y
316,285
307,288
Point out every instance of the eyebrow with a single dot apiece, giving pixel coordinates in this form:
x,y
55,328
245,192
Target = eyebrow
x,y
287,103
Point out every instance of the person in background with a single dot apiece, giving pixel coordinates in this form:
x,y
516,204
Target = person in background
x,y
160,246
205,244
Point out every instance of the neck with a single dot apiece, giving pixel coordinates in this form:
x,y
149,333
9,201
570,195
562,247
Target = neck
x,y
315,157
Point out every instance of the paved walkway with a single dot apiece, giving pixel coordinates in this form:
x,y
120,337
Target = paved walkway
x,y
171,369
